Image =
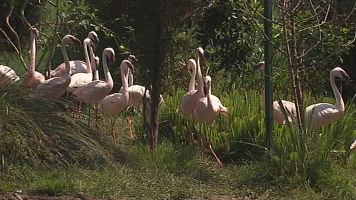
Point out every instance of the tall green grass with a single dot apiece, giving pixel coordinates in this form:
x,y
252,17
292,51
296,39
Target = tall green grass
x,y
37,132
241,135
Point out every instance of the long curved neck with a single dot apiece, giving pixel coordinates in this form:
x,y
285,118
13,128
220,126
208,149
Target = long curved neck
x,y
192,79
107,74
124,78
93,64
339,102
130,78
208,96
32,63
200,76
66,60
87,60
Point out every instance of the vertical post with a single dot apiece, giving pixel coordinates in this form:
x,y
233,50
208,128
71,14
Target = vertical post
x,y
268,71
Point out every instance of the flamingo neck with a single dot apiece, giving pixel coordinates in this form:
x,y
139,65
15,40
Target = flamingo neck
x,y
130,78
200,76
66,60
93,64
32,62
107,74
87,60
192,79
124,78
208,96
339,102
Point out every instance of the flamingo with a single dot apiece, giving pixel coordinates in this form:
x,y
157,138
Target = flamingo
x,y
191,98
322,114
115,103
81,78
32,78
55,87
192,64
353,145
76,66
7,75
208,108
93,92
277,111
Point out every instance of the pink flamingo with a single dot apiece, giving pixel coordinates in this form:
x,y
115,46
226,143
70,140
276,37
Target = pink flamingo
x,y
32,78
115,103
76,66
208,108
190,99
81,78
277,111
93,92
322,114
7,75
55,87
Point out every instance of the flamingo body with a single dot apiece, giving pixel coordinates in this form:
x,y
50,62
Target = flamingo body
x,y
209,107
55,87
190,99
7,75
115,103
76,66
32,78
94,91
80,79
322,114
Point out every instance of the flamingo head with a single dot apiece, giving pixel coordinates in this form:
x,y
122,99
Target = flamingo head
x,y
207,85
200,53
93,37
35,33
191,64
132,58
70,39
340,73
97,60
128,64
110,55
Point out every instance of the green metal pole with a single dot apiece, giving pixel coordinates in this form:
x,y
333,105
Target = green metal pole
x,y
268,71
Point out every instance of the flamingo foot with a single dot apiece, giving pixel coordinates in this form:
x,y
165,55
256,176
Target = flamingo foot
x,y
215,156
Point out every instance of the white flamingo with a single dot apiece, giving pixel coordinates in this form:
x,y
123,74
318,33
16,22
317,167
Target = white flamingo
x,y
322,114
115,103
55,87
191,98
76,66
7,75
277,111
208,108
93,92
32,78
81,78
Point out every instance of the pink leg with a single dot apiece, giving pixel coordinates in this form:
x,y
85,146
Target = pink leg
x,y
215,156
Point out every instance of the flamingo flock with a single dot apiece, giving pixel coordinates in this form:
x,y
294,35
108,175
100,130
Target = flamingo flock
x,y
81,80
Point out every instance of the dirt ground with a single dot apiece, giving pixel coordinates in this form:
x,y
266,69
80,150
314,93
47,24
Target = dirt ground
x,y
24,196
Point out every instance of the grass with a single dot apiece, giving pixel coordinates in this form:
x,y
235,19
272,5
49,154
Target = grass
x,y
45,150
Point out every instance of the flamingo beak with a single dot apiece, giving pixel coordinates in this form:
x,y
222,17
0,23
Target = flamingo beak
x,y
76,41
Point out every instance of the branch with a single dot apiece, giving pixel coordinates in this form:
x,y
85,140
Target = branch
x,y
18,46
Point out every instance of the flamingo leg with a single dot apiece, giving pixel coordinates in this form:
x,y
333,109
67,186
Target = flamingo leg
x,y
215,156
96,118
113,128
89,116
129,125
